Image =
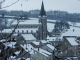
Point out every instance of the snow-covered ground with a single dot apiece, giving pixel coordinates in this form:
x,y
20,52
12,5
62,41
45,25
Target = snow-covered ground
x,y
73,31
50,27
51,20
74,23
32,21
71,23
10,44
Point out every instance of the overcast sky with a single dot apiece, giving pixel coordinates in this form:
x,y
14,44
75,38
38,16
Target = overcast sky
x,y
71,6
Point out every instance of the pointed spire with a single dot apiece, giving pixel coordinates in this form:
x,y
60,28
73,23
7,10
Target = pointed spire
x,y
42,11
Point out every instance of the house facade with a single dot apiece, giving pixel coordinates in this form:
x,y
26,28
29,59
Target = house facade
x,y
42,55
69,46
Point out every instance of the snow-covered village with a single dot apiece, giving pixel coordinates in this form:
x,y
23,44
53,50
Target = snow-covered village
x,y
39,35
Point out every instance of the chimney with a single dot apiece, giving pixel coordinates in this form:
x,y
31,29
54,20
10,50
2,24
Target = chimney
x,y
38,48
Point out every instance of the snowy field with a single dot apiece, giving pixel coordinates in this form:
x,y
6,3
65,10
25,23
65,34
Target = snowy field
x,y
73,31
51,20
70,31
71,23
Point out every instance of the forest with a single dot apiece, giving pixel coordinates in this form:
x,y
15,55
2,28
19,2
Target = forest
x,y
54,15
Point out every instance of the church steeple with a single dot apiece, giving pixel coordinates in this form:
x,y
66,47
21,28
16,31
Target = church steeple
x,y
42,11
42,32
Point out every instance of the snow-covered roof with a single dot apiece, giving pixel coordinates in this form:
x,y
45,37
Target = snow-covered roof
x,y
53,38
43,41
27,22
44,52
50,27
28,37
29,48
10,44
7,30
15,34
17,52
72,40
33,18
50,46
36,43
26,30
28,59
39,44
2,40
12,57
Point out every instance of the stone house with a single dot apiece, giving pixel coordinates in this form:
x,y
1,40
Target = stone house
x,y
48,47
41,55
25,38
69,46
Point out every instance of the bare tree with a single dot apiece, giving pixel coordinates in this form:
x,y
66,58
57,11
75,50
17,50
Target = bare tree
x,y
5,53
1,2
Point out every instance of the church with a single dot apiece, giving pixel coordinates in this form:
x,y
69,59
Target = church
x,y
35,27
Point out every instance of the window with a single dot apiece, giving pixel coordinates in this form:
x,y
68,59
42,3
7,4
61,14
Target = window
x,y
65,43
54,44
27,31
28,26
21,26
25,26
18,26
75,47
13,26
31,31
18,31
66,52
31,26
61,52
69,47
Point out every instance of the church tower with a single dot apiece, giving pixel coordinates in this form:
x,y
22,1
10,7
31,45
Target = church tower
x,y
43,21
